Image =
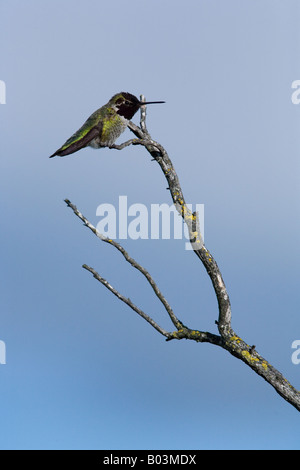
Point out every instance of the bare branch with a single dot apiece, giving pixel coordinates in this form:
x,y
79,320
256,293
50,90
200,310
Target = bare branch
x,y
125,144
143,111
177,323
161,156
126,301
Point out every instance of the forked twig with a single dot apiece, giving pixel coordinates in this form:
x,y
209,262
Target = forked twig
x,y
177,323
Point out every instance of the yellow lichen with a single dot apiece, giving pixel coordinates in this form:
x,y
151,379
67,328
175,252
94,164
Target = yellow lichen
x,y
249,356
235,338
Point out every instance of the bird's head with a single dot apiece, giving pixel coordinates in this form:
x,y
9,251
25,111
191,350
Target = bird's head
x,y
127,104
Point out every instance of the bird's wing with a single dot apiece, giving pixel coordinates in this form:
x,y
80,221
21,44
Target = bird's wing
x,y
81,138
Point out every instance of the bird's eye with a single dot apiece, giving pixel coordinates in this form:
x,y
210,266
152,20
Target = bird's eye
x,y
127,102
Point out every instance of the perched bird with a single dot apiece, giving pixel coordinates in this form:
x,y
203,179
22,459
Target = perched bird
x,y
105,125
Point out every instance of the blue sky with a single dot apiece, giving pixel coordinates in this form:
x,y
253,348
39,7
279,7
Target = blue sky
x,y
82,370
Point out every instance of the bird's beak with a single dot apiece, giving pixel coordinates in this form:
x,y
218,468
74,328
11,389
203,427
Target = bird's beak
x,y
143,103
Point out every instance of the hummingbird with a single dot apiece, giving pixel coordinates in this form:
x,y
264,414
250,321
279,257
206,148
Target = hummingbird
x,y
105,125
